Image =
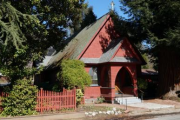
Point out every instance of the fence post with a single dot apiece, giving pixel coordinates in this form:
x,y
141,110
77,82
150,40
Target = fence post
x,y
0,98
41,91
64,89
75,98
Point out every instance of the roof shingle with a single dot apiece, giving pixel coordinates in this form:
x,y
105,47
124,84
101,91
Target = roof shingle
x,y
77,44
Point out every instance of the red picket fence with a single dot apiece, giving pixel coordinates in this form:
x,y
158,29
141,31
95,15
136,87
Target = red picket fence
x,y
49,101
52,101
2,94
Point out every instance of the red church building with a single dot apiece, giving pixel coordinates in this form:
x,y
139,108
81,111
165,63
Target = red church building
x,y
112,61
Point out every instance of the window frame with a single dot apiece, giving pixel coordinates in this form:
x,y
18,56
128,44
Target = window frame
x,y
93,72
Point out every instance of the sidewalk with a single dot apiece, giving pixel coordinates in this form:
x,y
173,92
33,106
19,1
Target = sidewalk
x,y
173,107
154,106
133,111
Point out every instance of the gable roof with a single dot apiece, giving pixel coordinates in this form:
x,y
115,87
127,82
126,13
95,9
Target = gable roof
x,y
78,43
138,53
107,55
81,41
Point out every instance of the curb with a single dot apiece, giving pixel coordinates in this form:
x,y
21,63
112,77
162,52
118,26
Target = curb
x,y
58,116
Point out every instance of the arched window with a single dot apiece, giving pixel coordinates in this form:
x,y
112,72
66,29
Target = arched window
x,y
94,76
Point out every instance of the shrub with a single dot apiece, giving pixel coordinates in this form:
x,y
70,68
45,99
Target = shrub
x,y
50,86
142,84
79,96
100,99
21,100
56,88
73,74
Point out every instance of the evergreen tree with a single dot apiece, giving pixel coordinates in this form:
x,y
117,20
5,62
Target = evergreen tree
x,y
89,17
158,22
16,49
28,28
54,16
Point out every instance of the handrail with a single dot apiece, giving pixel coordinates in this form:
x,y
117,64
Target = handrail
x,y
116,87
119,89
141,94
141,91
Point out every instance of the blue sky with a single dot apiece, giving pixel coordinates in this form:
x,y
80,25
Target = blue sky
x,y
101,7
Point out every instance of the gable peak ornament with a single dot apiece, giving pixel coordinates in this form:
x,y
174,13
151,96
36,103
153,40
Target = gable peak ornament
x,y
112,6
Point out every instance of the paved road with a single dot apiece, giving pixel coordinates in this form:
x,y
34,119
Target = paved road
x,y
166,117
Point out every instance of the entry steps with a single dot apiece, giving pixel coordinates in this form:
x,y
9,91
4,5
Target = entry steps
x,y
127,100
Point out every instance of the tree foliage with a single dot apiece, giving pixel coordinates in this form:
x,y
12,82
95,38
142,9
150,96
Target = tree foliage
x,y
11,25
89,17
142,84
54,16
21,100
16,50
158,22
28,28
73,74
145,57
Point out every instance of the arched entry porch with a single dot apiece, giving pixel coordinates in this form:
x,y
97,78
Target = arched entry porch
x,y
115,75
124,82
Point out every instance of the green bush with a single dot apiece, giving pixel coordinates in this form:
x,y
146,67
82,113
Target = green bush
x,y
73,74
100,99
79,96
142,84
21,100
56,88
145,57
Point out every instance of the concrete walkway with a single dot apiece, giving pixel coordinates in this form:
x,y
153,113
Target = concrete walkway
x,y
166,117
151,105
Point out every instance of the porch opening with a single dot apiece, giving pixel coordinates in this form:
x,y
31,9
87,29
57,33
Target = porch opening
x,y
124,82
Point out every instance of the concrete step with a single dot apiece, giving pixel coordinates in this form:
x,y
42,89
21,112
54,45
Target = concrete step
x,y
128,97
127,100
91,100
123,95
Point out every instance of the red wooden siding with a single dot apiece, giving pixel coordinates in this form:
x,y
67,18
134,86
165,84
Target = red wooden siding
x,y
106,92
87,69
92,92
2,94
125,51
101,41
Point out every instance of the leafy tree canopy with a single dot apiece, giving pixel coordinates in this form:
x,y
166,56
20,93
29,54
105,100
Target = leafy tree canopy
x,y
28,28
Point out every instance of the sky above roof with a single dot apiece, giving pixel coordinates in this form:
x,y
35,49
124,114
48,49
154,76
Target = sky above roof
x,y
101,7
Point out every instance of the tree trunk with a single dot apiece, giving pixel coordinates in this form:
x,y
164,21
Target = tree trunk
x,y
169,73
